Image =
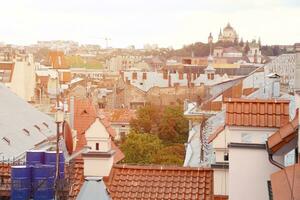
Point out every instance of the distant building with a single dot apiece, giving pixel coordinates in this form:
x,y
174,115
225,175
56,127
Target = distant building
x,y
254,54
18,74
228,35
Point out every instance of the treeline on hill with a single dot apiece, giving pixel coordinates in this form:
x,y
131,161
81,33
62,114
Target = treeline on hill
x,y
201,49
157,136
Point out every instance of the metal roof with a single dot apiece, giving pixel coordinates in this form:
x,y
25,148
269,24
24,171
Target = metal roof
x,y
93,188
22,126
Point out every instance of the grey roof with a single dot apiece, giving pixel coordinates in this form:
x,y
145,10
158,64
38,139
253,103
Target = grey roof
x,y
22,126
93,188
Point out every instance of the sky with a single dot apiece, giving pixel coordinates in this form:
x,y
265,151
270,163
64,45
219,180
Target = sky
x,y
138,22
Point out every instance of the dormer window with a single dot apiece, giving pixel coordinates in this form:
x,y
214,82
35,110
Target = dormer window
x,y
97,146
26,132
5,139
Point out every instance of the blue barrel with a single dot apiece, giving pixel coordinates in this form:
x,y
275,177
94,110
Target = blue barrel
x,y
43,182
50,159
20,182
34,157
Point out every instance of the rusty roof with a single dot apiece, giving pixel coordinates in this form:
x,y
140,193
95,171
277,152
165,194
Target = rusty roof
x,y
160,182
272,113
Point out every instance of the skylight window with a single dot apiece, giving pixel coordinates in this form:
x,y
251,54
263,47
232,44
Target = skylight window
x,y
5,139
38,128
45,124
26,131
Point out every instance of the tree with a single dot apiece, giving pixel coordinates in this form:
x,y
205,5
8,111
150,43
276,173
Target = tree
x,y
139,148
170,155
173,126
241,44
147,120
246,48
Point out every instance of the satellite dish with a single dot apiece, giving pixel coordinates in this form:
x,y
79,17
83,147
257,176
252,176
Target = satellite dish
x,y
67,135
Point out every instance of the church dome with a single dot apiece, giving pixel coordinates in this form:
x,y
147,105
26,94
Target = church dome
x,y
228,28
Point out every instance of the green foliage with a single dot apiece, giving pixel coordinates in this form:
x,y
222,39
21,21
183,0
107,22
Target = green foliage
x,y
157,136
78,61
147,120
170,155
173,126
140,148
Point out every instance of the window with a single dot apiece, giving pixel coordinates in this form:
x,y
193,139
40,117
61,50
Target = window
x,y
144,76
97,146
134,76
246,138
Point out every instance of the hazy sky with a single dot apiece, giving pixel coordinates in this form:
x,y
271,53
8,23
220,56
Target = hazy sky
x,y
165,22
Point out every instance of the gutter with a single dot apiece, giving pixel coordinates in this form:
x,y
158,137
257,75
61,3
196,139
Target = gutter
x,y
277,164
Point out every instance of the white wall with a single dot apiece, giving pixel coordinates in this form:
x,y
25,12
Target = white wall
x,y
97,166
221,177
97,133
249,172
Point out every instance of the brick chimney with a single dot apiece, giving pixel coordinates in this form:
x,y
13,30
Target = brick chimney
x,y
99,160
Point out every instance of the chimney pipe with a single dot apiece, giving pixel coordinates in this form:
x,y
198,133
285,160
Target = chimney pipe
x,y
297,86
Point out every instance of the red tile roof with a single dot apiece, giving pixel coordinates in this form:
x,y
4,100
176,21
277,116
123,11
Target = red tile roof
x,y
256,112
160,182
118,115
284,135
84,116
76,177
5,179
57,60
286,183
220,197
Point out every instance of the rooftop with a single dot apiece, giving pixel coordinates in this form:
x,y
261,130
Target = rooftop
x,y
272,113
160,182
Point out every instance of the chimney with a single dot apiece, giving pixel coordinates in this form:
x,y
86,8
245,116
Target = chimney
x,y
297,87
72,112
274,85
99,160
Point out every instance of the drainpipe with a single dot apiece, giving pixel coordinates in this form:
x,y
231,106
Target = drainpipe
x,y
277,164
297,90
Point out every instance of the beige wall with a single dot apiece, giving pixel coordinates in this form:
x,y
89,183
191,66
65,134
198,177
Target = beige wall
x,y
221,177
97,133
23,79
119,128
249,172
97,166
